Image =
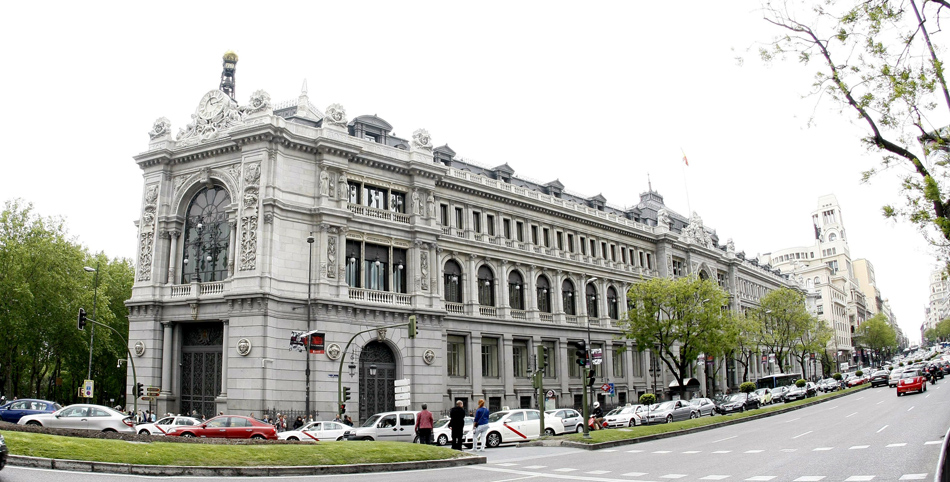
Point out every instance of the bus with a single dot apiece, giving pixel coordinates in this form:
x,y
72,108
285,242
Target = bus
x,y
778,380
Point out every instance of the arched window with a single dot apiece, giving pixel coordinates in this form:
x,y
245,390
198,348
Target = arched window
x,y
703,275
515,291
486,292
591,297
832,237
544,295
452,278
817,281
612,310
207,235
567,297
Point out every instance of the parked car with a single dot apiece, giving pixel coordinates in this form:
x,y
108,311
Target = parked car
x,y
3,452
778,394
509,426
315,432
564,420
765,395
629,416
811,389
703,406
82,416
163,425
387,426
796,393
738,402
227,426
671,411
13,411
828,385
911,381
879,378
442,434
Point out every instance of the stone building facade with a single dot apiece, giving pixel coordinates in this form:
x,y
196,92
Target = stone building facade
x,y
491,264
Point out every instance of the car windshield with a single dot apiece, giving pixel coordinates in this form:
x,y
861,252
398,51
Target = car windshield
x,y
496,416
909,374
880,372
739,397
372,421
664,406
440,423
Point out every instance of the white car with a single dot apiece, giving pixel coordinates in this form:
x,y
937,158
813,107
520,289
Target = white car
x,y
162,426
315,432
563,420
442,434
509,426
629,416
83,416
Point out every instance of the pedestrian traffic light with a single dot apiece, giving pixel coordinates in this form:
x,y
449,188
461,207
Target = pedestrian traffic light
x,y
412,326
82,319
346,393
342,408
139,390
580,351
590,378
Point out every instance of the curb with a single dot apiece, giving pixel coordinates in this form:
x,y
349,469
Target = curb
x,y
179,470
676,433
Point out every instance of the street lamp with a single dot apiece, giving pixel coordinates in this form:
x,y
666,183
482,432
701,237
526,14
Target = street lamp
x,y
372,370
588,391
92,329
309,328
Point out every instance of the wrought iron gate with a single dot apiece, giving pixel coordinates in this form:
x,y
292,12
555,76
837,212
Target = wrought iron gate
x,y
201,367
377,392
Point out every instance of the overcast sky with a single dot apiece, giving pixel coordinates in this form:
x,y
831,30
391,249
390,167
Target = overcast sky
x,y
596,94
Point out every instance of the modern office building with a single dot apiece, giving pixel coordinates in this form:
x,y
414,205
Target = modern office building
x,y
263,220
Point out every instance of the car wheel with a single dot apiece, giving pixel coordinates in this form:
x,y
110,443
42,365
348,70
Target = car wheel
x,y
693,415
188,435
579,429
257,436
669,418
109,430
144,432
295,439
367,439
493,440
549,432
633,422
442,440
925,388
339,439
34,423
742,409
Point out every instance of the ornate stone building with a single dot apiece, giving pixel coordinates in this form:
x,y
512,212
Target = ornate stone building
x,y
491,264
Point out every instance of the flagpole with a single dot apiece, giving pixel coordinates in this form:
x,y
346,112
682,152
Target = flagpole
x,y
686,185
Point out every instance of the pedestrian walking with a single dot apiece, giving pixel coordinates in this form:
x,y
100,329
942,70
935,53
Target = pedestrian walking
x,y
347,420
457,424
424,425
298,423
480,427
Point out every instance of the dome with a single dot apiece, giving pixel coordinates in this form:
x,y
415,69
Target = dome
x,y
231,56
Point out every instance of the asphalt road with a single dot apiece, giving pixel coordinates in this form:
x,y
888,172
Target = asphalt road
x,y
869,436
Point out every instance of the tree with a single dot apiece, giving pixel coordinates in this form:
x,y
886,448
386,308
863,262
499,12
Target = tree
x,y
748,332
785,321
877,334
813,338
680,319
878,60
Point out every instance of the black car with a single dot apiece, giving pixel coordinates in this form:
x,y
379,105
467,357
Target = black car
x,y
3,453
738,402
879,378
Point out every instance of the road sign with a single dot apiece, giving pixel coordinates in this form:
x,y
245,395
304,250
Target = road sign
x,y
611,391
550,394
87,388
401,382
597,361
402,403
152,391
403,389
402,396
148,399
607,387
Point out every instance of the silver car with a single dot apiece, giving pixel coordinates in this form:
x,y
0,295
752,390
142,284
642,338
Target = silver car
x,y
83,416
671,411
704,406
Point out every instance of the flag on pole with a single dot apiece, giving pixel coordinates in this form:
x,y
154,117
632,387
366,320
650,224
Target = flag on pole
x,y
684,158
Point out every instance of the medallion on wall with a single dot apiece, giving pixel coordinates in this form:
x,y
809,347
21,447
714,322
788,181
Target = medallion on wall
x,y
244,347
428,357
334,351
138,348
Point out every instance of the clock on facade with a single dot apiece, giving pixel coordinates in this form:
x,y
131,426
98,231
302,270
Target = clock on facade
x,y
212,104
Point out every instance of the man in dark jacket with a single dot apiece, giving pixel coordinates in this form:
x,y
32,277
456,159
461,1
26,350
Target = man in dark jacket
x,y
457,424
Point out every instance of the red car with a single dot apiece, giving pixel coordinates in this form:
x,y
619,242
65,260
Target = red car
x,y
911,381
227,426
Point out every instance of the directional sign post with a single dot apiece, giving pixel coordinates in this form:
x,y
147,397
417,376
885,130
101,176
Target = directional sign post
x,y
403,393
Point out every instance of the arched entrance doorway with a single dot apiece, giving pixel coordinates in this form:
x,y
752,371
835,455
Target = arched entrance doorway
x,y
377,392
200,367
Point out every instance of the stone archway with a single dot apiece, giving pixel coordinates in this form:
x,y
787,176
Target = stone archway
x,y
377,392
201,352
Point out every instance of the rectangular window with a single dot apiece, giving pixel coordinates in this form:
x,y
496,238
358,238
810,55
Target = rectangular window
x,y
353,254
354,193
721,279
519,358
490,221
593,247
550,371
397,202
603,250
583,246
573,369
506,225
376,267
476,221
640,255
679,267
623,255
570,242
459,218
649,261
374,197
546,237
444,214
560,240
399,270
617,362
455,356
613,252
490,357
519,228
534,235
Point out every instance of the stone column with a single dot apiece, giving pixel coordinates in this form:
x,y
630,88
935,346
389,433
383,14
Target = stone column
x,y
232,243
225,352
166,358
531,293
504,303
557,301
475,341
471,286
508,372
172,253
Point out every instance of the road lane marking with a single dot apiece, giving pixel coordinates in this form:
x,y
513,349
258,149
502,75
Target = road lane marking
x,y
909,409
634,474
855,413
928,396
608,451
634,451
792,420
715,477
809,478
722,451
565,469
673,476
724,439
788,450
761,478
859,478
822,449
535,467
832,408
856,447
913,477
801,434
662,451
878,403
597,472
856,399
896,445
933,442
882,429
505,464
753,451
691,452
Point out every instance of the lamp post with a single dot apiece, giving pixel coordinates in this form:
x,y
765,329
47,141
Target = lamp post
x,y
588,391
309,328
92,329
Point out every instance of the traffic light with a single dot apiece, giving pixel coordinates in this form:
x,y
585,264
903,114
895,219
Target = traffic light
x,y
544,358
82,319
346,393
139,390
590,378
580,352
412,326
342,408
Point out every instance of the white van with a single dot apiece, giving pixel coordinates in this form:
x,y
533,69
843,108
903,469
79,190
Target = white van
x,y
386,426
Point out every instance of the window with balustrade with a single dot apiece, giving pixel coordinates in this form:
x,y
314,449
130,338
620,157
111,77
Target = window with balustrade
x,y
486,291
451,282
544,294
515,290
591,297
207,236
567,297
376,267
613,310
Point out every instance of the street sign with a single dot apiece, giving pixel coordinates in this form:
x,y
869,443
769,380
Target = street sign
x,y
607,387
87,388
597,354
550,394
611,391
597,361
401,382
403,389
316,343
402,396
333,375
402,403
152,391
148,399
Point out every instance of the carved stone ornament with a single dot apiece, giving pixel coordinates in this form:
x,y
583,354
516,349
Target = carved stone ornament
x,y
730,247
335,116
162,127
695,232
421,140
331,256
244,347
334,351
138,348
663,218
428,357
249,218
424,267
217,113
147,233
260,101
381,334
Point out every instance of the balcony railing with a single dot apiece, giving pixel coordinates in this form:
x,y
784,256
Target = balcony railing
x,y
361,210
203,289
570,319
454,307
384,297
546,317
519,315
488,311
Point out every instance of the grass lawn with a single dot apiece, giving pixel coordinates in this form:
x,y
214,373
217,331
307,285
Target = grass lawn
x,y
169,453
613,434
